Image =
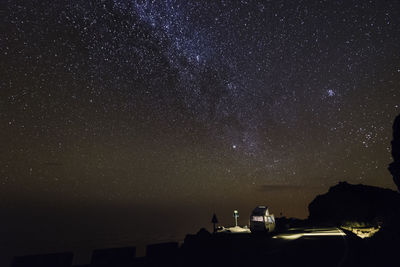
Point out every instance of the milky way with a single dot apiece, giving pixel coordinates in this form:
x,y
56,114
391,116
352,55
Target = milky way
x,y
161,101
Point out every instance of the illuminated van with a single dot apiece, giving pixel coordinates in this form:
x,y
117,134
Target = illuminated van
x,y
261,220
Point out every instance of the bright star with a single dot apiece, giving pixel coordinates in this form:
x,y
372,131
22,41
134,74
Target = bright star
x,y
331,93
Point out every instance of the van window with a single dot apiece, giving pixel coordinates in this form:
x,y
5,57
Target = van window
x,y
258,212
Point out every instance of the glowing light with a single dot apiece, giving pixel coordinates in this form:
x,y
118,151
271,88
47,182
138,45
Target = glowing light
x,y
257,218
288,236
315,232
363,232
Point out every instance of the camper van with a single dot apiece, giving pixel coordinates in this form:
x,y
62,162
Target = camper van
x,y
261,220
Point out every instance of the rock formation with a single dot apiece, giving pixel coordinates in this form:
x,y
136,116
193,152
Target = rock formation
x,y
355,203
394,167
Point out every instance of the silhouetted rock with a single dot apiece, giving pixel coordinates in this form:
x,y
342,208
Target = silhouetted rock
x,y
162,254
203,233
365,206
355,203
45,260
114,256
394,167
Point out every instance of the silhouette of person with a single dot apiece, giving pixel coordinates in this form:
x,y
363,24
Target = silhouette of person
x,y
394,167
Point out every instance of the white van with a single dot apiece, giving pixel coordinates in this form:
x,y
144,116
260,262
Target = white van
x,y
261,220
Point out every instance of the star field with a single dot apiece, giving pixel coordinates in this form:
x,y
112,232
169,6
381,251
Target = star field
x,y
196,102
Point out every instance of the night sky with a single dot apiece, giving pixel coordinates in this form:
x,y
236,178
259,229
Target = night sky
x,y
116,113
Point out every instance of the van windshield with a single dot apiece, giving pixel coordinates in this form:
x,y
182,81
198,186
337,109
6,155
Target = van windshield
x,y
259,212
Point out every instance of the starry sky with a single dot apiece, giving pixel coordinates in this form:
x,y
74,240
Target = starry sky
x,y
182,108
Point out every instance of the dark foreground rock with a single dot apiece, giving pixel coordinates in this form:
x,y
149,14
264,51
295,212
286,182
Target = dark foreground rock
x,y
45,260
346,203
307,246
265,250
394,167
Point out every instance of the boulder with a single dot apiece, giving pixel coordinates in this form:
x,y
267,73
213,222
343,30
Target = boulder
x,y
355,203
394,167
